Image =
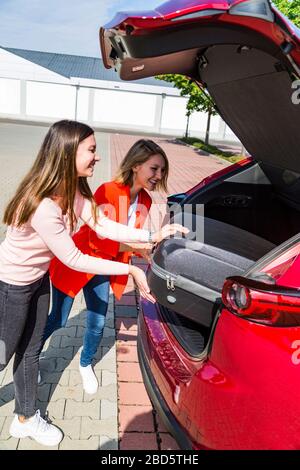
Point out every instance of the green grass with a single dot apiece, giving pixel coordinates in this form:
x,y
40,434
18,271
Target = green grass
x,y
199,144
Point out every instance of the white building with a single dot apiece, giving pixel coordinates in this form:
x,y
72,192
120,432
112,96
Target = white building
x,y
44,87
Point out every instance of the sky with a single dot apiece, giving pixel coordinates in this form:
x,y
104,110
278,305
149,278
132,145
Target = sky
x,y
63,26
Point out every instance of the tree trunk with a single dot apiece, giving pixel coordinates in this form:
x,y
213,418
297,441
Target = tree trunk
x,y
207,128
187,126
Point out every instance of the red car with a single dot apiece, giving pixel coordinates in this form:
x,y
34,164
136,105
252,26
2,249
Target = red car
x,y
220,350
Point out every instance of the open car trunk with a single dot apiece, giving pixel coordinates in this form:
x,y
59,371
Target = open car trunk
x,y
245,217
186,276
248,64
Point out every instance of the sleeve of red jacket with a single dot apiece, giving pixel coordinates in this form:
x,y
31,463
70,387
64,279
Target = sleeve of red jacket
x,y
105,198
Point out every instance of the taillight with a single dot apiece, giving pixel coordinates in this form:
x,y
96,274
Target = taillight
x,y
261,302
256,8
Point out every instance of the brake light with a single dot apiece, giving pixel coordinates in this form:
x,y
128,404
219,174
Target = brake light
x,y
260,302
256,8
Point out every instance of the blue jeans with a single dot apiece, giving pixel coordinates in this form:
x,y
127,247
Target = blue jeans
x,y
96,294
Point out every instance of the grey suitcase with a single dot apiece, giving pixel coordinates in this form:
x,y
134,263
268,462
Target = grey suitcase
x,y
187,276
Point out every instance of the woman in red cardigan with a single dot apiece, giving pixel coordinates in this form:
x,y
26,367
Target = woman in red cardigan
x,y
124,200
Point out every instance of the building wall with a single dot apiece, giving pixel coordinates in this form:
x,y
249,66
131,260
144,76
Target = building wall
x,y
10,96
49,100
30,92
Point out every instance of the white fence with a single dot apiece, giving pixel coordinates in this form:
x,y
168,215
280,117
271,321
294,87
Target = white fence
x,y
106,108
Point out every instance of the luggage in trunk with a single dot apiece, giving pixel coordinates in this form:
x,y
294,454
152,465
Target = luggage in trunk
x,y
187,276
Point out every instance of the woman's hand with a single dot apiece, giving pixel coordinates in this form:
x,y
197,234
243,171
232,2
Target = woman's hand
x,y
144,250
141,249
167,231
144,253
141,282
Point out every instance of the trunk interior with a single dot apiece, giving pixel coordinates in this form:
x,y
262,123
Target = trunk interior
x,y
263,200
245,216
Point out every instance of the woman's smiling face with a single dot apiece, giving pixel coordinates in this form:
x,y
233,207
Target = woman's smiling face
x,y
86,157
149,173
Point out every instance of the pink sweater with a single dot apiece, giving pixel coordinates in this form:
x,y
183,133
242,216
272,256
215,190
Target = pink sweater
x,y
26,252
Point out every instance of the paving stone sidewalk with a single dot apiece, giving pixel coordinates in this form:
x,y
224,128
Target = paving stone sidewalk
x,y
88,421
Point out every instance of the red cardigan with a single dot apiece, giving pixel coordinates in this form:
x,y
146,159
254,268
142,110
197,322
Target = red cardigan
x,y
114,199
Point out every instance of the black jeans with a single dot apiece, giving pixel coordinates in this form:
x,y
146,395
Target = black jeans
x,y
23,316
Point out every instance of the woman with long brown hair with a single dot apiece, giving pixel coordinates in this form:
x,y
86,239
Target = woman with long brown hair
x,y
41,217
126,199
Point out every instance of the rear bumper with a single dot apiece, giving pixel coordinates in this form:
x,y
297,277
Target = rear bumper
x,y
159,403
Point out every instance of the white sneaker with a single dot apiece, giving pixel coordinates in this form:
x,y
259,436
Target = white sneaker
x,y
89,380
37,428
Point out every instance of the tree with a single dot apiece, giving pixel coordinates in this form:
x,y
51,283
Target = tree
x,y
290,8
198,100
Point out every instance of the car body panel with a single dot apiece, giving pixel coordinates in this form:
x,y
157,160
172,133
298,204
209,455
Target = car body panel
x,y
176,9
162,18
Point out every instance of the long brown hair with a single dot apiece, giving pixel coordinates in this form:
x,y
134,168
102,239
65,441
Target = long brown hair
x,y
54,167
139,153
